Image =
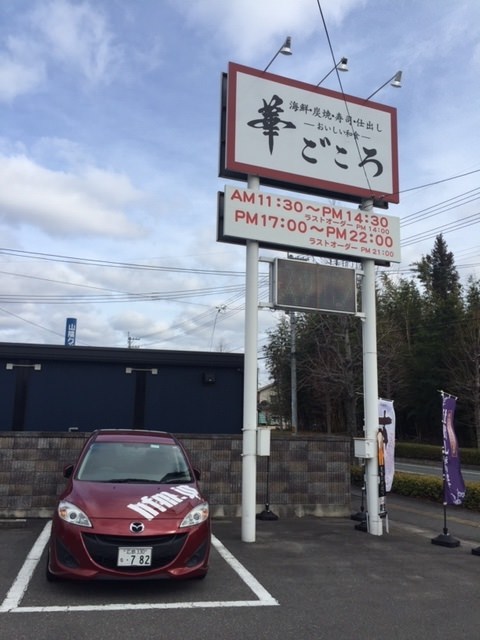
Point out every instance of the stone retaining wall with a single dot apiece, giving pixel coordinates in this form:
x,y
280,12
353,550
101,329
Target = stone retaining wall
x,y
308,475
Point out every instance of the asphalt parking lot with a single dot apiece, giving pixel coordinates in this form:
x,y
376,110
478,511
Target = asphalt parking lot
x,y
303,578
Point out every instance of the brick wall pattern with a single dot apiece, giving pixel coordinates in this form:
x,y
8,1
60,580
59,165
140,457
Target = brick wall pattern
x,y
307,475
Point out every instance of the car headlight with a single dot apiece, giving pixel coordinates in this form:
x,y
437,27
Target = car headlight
x,y
72,514
196,516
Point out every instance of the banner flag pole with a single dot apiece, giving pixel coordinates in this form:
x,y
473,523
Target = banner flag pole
x,y
453,484
361,515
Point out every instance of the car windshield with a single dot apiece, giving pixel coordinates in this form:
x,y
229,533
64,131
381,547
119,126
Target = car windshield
x,y
134,462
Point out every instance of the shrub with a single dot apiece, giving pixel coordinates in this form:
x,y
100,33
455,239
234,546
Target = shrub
x,y
424,487
433,452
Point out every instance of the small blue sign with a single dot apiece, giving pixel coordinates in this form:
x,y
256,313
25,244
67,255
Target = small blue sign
x,y
70,332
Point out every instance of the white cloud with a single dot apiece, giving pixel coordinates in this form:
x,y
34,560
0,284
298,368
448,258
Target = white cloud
x,y
134,322
78,35
82,172
62,203
255,27
20,70
58,33
53,152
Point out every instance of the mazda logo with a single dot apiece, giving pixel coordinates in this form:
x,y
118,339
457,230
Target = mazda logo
x,y
137,527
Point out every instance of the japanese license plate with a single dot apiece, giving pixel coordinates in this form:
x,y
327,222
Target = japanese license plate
x,y
134,557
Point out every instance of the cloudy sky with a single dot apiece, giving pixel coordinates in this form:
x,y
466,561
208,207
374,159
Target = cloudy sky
x,y
109,136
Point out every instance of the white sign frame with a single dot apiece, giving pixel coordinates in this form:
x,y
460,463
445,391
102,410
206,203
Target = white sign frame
x,y
293,133
281,221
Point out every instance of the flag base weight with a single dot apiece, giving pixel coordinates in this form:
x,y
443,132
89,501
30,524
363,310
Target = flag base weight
x,y
361,516
266,514
446,540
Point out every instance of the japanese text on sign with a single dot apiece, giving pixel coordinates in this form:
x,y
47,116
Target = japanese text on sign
x,y
292,132
314,227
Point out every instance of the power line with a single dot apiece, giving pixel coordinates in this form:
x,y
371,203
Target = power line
x,y
345,102
152,296
431,184
34,324
445,205
51,257
446,228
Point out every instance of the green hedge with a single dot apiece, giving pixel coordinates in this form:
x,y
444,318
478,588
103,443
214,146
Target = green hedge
x,y
433,452
425,487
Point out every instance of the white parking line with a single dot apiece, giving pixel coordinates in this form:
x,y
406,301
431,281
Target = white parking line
x,y
17,591
262,594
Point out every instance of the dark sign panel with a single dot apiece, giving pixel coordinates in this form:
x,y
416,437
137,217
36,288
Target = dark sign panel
x,y
305,286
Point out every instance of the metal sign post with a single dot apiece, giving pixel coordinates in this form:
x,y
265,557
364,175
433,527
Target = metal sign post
x,y
370,389
249,455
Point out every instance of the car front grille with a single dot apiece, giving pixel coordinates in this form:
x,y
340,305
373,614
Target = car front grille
x,y
103,549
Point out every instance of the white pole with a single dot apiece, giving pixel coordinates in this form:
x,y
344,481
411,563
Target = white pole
x,y
293,367
249,459
370,391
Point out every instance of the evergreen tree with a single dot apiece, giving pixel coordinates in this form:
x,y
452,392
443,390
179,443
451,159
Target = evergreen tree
x,y
465,367
437,337
398,319
328,356
428,340
278,358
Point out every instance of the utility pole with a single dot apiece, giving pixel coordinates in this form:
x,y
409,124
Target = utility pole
x,y
131,341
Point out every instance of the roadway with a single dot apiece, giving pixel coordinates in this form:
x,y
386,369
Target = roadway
x,y
430,469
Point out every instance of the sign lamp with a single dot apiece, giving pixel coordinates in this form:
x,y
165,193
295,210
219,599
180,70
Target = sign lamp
x,y
395,81
341,66
286,49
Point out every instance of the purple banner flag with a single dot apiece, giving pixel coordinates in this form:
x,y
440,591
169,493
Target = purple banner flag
x,y
454,486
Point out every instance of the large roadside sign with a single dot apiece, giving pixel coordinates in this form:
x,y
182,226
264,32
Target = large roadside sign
x,y
280,221
305,138
293,136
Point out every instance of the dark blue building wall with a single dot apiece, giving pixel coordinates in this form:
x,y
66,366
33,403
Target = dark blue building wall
x,y
57,388
195,400
79,395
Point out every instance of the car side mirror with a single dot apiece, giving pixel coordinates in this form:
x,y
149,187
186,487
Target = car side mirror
x,y
67,470
196,473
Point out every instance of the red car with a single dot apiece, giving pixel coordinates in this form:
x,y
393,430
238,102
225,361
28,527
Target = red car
x,y
132,509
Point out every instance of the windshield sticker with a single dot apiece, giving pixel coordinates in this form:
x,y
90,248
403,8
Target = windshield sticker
x,y
152,506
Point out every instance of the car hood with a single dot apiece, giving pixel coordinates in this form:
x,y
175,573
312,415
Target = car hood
x,y
122,500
